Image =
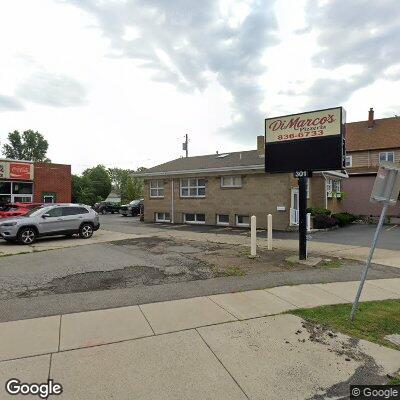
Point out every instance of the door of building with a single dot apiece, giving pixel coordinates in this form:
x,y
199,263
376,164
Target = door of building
x,y
294,207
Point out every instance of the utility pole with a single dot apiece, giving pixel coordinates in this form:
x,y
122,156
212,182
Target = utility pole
x,y
185,145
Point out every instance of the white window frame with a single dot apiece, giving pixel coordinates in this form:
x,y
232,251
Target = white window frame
x,y
48,196
221,222
242,224
189,186
329,188
164,219
386,156
195,217
234,181
349,161
337,186
157,187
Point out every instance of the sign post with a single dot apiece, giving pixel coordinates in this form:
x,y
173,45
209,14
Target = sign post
x,y
302,218
303,143
386,190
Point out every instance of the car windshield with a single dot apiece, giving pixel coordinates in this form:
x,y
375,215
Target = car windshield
x,y
134,202
32,213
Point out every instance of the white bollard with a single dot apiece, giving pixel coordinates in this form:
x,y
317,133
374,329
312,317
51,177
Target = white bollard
x,y
308,222
269,240
253,239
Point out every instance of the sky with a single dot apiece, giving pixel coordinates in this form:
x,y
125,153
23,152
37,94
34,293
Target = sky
x,y
120,82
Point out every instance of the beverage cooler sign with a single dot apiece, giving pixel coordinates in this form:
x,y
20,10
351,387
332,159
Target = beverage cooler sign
x,y
310,141
16,170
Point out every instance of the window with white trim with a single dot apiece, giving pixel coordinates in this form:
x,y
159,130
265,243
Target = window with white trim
x,y
162,217
337,188
222,219
190,218
193,187
349,161
231,181
242,220
386,156
156,188
329,187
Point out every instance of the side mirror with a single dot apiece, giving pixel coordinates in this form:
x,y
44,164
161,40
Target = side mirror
x,y
45,215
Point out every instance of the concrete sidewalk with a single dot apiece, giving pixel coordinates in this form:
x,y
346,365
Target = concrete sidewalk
x,y
227,346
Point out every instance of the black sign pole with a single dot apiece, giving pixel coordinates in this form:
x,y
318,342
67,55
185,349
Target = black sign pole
x,y
302,218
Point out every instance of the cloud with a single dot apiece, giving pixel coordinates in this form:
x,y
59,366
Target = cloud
x,y
8,103
359,33
52,90
184,42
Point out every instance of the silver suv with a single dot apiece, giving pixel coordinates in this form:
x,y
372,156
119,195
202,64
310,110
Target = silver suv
x,y
57,219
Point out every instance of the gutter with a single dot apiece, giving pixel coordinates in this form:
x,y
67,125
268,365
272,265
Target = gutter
x,y
202,170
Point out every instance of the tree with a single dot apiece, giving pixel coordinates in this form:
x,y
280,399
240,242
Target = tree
x,y
99,181
30,146
125,184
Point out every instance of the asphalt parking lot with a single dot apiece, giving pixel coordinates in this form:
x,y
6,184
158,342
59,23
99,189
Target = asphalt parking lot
x,y
357,235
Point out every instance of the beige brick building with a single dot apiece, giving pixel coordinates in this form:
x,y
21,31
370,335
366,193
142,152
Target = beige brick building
x,y
226,189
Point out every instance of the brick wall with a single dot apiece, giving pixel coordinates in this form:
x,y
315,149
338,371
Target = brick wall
x,y
259,195
52,178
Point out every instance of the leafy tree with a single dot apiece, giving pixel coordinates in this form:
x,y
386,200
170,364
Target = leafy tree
x,y
30,146
126,185
99,181
82,192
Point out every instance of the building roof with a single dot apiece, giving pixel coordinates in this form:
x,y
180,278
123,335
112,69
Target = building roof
x,y
241,160
385,134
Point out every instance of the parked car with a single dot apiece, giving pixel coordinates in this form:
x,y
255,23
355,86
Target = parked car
x,y
106,207
134,208
57,219
17,209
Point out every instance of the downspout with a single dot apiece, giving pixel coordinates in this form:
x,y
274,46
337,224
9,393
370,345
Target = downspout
x,y
326,194
172,200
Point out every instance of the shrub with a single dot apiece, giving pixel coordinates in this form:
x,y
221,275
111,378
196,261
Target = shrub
x,y
318,211
344,218
322,221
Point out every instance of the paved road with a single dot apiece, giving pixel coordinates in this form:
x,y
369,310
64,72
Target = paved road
x,y
357,235
120,274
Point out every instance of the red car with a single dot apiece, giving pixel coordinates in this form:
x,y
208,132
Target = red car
x,y
17,209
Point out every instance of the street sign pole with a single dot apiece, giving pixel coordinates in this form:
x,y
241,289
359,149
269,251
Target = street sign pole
x,y
386,190
302,218
368,263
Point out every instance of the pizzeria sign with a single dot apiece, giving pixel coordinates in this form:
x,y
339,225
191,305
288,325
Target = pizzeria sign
x,y
302,126
309,141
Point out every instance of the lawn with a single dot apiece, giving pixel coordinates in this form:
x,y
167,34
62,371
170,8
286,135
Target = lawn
x,y
373,321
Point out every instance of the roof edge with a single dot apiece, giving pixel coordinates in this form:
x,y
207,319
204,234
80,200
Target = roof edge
x,y
201,170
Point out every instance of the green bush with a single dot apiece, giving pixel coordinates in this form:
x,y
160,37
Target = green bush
x,y
322,221
318,211
344,218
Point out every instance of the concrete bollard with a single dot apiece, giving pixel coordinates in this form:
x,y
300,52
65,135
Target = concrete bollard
x,y
253,234
269,240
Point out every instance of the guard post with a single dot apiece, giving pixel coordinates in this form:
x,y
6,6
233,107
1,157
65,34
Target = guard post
x,y
386,191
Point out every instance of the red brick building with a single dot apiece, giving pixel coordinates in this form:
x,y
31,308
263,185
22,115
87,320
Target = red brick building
x,y
23,181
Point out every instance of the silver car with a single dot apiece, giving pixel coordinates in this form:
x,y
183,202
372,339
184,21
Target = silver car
x,y
56,219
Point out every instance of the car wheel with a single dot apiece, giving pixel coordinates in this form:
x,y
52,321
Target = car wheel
x,y
86,231
27,236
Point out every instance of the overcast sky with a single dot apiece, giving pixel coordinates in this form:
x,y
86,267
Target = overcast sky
x,y
120,82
